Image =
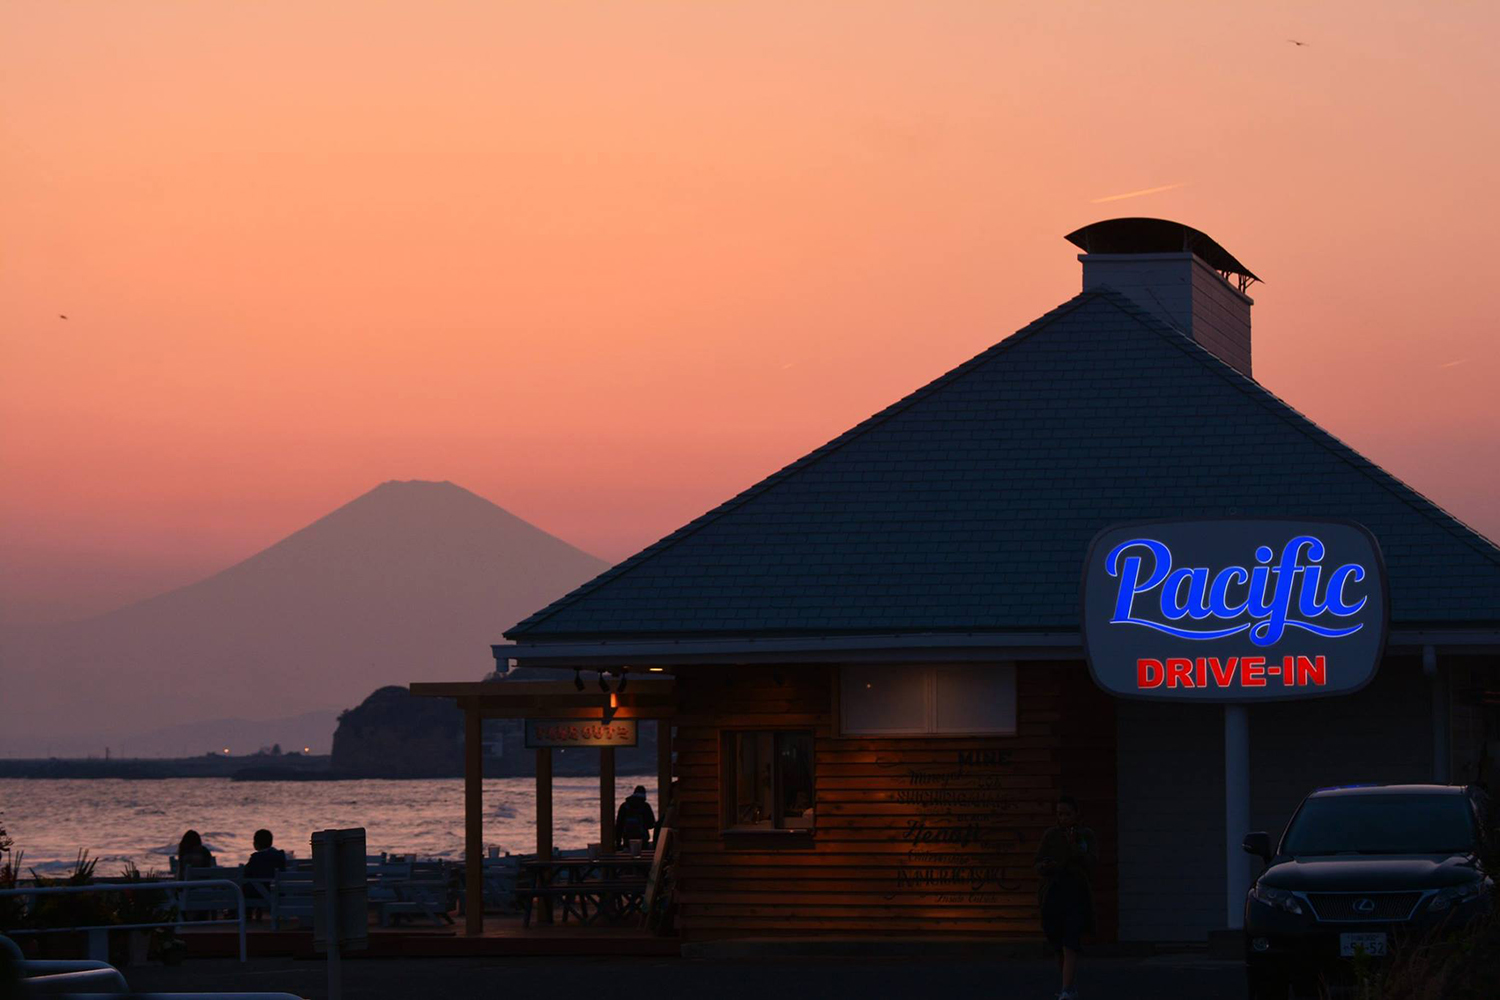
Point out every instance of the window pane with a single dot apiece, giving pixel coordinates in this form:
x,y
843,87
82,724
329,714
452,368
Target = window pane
x,y
795,760
976,698
884,699
1382,824
754,758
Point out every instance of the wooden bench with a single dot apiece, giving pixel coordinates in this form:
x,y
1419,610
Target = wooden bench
x,y
588,901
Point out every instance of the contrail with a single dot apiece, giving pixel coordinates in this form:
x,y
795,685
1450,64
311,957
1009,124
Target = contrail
x,y
1137,194
1450,364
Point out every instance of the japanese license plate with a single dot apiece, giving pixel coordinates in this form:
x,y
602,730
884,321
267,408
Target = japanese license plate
x,y
1372,943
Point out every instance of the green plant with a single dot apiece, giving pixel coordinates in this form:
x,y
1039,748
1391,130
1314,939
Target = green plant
x,y
1445,964
1448,963
142,907
80,910
11,907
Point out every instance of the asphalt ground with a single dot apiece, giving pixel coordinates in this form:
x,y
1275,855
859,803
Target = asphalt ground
x,y
1157,978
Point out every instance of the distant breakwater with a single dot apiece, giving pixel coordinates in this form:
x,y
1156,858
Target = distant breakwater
x,y
289,767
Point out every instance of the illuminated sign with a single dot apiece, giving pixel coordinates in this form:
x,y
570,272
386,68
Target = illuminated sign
x,y
1234,609
580,733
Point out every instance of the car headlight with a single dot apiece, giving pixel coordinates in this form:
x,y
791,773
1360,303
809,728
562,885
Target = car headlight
x,y
1457,894
1281,899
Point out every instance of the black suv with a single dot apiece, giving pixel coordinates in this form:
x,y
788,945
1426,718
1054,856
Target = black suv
x,y
1355,866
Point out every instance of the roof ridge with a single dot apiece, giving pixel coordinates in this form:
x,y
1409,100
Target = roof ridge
x,y
811,458
1262,398
1308,427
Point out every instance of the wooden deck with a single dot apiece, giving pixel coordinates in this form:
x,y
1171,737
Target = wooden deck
x,y
503,935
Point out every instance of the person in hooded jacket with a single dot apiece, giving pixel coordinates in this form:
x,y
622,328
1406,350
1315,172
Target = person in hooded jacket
x,y
635,820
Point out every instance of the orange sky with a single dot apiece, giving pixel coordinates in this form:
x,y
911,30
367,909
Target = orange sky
x,y
606,264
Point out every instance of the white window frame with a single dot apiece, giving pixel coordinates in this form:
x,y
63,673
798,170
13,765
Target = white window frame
x,y
930,703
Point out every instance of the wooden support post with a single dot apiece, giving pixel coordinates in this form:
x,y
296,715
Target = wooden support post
x,y
473,820
606,799
544,816
663,768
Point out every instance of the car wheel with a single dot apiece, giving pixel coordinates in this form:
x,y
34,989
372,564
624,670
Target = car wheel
x,y
1267,984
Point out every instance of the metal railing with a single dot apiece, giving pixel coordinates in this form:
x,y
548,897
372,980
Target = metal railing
x,y
99,933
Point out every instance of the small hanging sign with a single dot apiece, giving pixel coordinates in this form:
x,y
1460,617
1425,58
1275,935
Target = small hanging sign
x,y
580,733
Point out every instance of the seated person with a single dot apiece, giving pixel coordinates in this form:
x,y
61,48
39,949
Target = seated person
x,y
261,869
192,854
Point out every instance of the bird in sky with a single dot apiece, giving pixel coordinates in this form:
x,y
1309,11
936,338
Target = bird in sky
x,y
1296,43
61,316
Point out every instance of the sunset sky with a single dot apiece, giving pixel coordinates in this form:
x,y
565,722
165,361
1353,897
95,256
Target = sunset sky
x,y
606,264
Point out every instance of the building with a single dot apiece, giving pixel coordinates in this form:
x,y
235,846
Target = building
x,y
879,684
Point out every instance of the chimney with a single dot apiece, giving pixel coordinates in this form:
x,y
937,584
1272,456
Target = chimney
x,y
1177,274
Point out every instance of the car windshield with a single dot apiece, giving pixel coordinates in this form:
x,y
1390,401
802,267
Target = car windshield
x,y
1381,824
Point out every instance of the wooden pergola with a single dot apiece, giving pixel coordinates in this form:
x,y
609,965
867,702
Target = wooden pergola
x,y
645,697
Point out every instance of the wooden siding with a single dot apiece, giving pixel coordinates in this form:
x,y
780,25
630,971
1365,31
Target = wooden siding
x,y
914,835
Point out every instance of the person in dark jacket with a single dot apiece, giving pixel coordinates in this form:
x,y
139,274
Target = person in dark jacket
x,y
261,870
635,820
267,860
1065,860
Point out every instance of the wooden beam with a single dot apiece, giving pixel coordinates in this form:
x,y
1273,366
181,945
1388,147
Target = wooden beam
x,y
663,767
643,690
473,821
594,702
592,713
544,816
607,798
544,803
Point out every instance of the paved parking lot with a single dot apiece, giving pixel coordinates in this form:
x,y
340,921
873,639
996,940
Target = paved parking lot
x,y
769,979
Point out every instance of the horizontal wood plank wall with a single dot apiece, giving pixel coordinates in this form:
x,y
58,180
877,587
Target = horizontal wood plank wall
x,y
913,835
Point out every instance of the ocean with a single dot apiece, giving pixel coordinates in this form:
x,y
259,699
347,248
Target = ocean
x,y
119,820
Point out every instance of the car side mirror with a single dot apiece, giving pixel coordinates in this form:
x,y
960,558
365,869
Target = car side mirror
x,y
1259,844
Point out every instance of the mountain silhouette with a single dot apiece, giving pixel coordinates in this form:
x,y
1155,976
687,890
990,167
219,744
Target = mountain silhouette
x,y
410,581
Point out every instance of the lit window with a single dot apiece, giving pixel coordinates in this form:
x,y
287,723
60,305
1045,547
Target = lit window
x,y
768,780
960,699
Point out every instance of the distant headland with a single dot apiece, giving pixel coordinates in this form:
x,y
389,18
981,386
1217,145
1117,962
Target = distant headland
x,y
389,735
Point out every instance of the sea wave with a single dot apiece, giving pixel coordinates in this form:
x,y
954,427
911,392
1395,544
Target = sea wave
x,y
51,819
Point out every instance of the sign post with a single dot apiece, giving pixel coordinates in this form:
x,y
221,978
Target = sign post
x,y
1236,812
1234,611
340,898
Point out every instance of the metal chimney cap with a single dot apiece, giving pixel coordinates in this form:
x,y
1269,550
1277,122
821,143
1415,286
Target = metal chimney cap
x,y
1140,235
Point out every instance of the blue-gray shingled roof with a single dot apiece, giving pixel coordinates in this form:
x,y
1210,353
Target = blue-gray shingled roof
x,y
969,505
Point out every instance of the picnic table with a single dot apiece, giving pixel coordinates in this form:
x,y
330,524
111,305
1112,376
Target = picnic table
x,y
611,886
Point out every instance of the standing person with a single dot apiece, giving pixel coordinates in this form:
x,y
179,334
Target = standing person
x,y
635,820
260,870
1065,859
192,854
